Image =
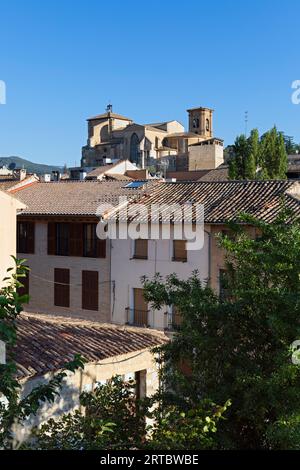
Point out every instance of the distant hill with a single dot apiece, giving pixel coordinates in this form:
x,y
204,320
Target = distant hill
x,y
31,167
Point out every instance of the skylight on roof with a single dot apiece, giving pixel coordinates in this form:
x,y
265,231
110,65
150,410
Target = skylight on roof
x,y
135,184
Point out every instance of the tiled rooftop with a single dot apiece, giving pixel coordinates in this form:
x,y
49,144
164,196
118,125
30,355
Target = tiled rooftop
x,y
46,343
224,201
73,197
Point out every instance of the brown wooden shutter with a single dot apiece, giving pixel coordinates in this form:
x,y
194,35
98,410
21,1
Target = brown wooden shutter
x,y
180,250
140,314
76,239
62,287
51,238
141,248
101,248
90,291
30,239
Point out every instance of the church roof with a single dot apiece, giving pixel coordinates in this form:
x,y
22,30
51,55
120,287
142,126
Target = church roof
x,y
109,115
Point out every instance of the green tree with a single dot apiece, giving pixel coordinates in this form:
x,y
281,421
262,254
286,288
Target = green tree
x,y
14,410
274,154
239,347
258,158
242,164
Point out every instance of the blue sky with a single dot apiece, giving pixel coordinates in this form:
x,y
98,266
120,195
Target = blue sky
x,y
62,61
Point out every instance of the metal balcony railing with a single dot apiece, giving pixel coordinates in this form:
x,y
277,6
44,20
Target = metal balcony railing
x,y
174,321
137,317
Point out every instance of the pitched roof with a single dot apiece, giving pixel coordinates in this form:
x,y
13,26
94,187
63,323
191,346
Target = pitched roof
x,y
193,175
109,115
73,197
46,343
102,169
218,174
12,182
225,200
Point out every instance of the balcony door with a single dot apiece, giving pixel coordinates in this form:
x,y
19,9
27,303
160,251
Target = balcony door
x,y
140,306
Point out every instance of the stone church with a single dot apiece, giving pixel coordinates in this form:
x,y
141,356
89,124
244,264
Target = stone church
x,y
116,137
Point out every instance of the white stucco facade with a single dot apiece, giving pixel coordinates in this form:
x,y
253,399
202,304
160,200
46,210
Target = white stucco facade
x,y
126,274
8,221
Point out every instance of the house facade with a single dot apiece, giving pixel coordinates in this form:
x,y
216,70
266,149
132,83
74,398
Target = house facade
x,y
223,202
70,267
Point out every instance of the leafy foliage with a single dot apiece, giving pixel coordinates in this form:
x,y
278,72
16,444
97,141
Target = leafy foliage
x,y
115,419
258,158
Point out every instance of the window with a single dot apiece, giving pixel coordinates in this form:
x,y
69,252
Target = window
x,y
175,318
90,290
207,125
140,309
140,248
62,239
89,240
179,250
62,287
24,290
135,149
140,383
25,237
75,239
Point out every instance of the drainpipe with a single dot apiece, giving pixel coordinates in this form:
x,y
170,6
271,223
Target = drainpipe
x,y
2,352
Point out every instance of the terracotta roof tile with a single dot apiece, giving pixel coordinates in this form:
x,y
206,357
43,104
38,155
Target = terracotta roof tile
x,y
46,343
224,201
73,197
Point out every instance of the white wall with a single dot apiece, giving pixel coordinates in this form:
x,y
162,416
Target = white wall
x,y
8,221
127,272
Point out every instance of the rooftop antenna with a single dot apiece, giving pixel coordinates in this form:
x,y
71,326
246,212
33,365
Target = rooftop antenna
x,y
246,123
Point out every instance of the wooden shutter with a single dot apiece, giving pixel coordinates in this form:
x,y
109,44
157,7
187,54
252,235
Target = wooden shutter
x,y
62,287
141,248
140,308
30,237
76,239
90,291
101,248
51,238
179,250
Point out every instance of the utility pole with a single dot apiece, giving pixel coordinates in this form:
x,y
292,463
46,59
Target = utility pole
x,y
246,123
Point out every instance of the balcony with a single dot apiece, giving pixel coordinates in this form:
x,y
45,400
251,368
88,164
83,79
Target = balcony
x,y
174,320
137,317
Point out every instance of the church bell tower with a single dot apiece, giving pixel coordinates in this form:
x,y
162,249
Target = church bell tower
x,y
201,122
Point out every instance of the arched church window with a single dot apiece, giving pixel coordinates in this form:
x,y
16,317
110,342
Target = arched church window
x,y
207,125
134,149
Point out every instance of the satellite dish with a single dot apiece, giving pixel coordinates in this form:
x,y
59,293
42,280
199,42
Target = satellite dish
x,y
12,166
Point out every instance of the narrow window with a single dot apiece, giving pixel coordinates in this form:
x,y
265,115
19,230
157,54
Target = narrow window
x,y
62,239
25,237
62,287
90,291
140,309
89,240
